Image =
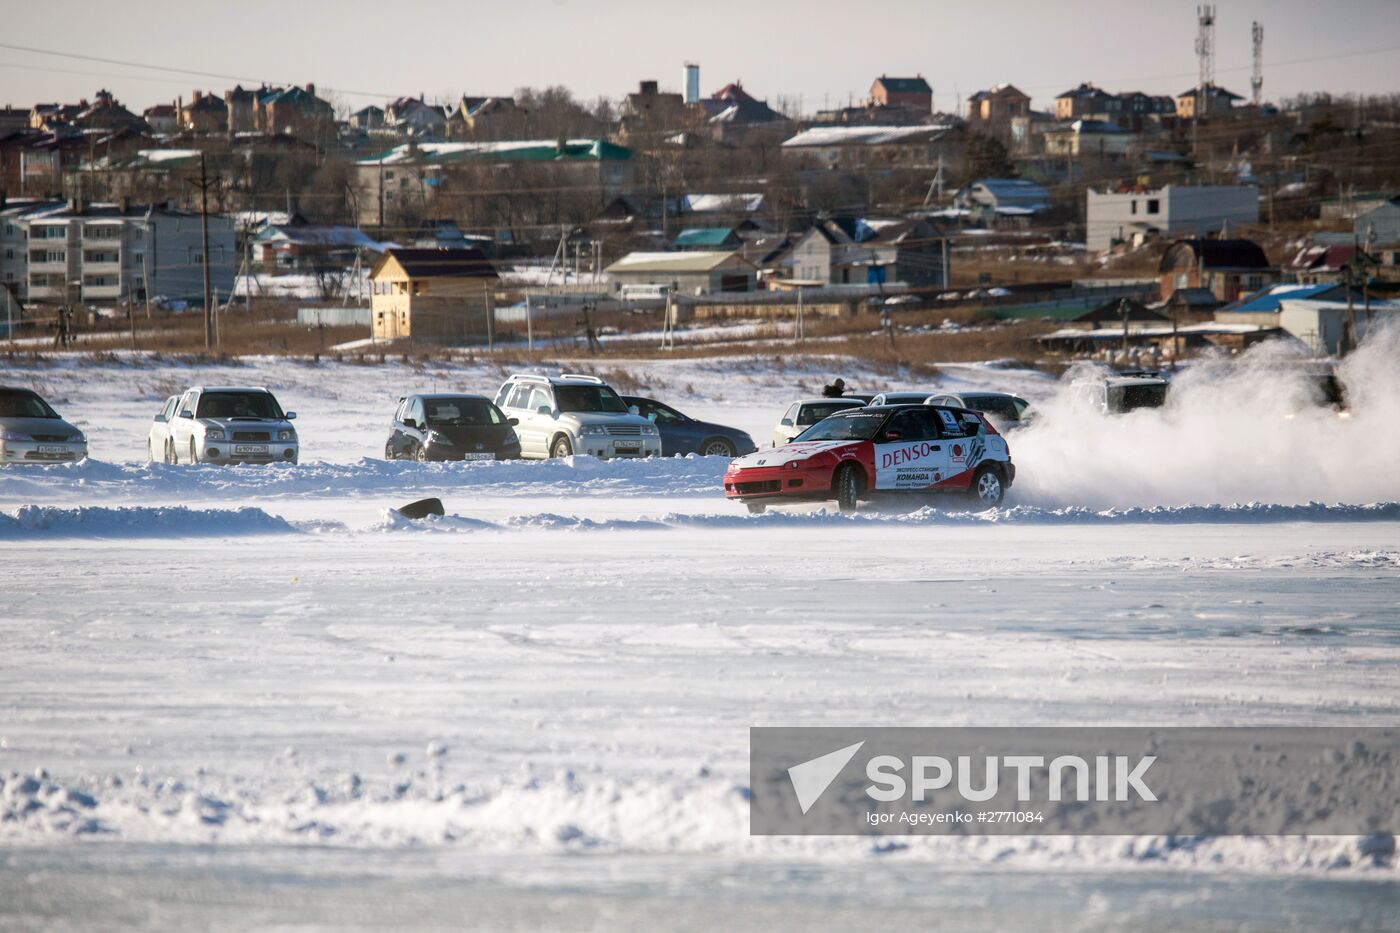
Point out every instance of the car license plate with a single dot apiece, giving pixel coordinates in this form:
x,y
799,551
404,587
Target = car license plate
x,y
478,456
51,449
627,445
250,448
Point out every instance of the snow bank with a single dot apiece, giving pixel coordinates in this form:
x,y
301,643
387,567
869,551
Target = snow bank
x,y
563,812
137,522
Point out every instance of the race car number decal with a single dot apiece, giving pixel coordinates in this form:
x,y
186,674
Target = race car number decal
x,y
910,465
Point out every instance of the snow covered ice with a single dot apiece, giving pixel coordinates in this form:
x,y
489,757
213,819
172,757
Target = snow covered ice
x,y
253,679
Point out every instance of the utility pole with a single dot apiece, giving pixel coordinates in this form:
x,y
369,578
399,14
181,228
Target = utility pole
x,y
1205,56
1256,77
203,185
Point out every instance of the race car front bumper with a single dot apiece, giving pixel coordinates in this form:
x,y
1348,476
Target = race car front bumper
x,y
779,482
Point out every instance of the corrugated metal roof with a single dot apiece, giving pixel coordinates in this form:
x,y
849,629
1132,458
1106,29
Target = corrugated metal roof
x,y
704,236
698,261
864,135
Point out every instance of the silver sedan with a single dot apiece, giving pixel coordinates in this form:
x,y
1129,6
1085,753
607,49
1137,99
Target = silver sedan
x,y
32,432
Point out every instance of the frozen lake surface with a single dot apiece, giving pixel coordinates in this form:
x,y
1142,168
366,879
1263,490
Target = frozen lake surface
x,y
252,697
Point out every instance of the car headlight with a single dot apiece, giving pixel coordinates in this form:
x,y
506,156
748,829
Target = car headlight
x,y
286,435
592,429
650,429
79,438
435,438
792,464
213,434
14,436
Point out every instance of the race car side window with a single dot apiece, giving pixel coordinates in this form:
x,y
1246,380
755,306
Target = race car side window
x,y
791,415
912,426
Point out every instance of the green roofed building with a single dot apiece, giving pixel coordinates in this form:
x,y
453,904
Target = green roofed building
x,y
707,238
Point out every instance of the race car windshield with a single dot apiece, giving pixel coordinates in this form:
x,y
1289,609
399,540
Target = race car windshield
x,y
462,412
1129,398
847,426
255,406
20,404
589,399
1002,406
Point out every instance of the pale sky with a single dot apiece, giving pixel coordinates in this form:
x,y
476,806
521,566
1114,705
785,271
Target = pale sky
x,y
820,50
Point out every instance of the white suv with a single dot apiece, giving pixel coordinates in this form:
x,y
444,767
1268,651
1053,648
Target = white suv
x,y
572,414
231,424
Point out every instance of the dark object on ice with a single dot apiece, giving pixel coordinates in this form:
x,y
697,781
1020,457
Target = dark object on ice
x,y
835,390
422,508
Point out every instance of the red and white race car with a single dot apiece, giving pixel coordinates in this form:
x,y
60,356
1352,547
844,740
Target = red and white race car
x,y
863,452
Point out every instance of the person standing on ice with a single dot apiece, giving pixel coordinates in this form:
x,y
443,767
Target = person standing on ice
x,y
836,389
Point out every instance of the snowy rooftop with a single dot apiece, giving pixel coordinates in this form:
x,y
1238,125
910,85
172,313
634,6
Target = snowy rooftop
x,y
863,135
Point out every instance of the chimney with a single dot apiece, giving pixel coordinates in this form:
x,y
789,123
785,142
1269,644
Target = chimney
x,y
648,87
311,89
196,96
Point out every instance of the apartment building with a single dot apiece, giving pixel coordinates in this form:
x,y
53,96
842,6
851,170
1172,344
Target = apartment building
x,y
1171,211
103,254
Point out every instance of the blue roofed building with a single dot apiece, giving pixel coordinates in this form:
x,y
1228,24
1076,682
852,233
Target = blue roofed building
x,y
993,200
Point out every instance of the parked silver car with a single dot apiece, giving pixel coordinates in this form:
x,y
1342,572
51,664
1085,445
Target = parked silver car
x,y
32,432
232,424
158,443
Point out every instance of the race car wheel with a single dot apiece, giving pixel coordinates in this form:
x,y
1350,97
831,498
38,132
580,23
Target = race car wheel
x,y
848,488
561,448
987,488
717,447
757,508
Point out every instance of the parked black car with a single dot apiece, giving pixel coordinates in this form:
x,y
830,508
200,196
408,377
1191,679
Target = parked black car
x,y
681,434
451,427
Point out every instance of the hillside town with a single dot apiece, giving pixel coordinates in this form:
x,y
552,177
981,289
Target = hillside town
x,y
1208,218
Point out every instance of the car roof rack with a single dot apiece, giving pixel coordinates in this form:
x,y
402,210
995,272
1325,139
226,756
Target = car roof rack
x,y
532,377
582,376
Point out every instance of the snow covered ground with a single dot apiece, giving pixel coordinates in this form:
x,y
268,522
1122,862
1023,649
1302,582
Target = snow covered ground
x,y
252,696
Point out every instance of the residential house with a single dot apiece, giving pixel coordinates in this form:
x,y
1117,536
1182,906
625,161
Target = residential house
x,y
997,106
1379,226
1320,263
1120,313
707,238
990,201
109,253
412,116
769,255
433,296
13,119
734,116
475,116
649,110
204,114
310,247
162,118
910,93
1130,213
414,172
295,110
873,146
1228,268
367,119
1209,98
240,103
107,114
1081,101
703,272
1085,137
868,251
52,118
